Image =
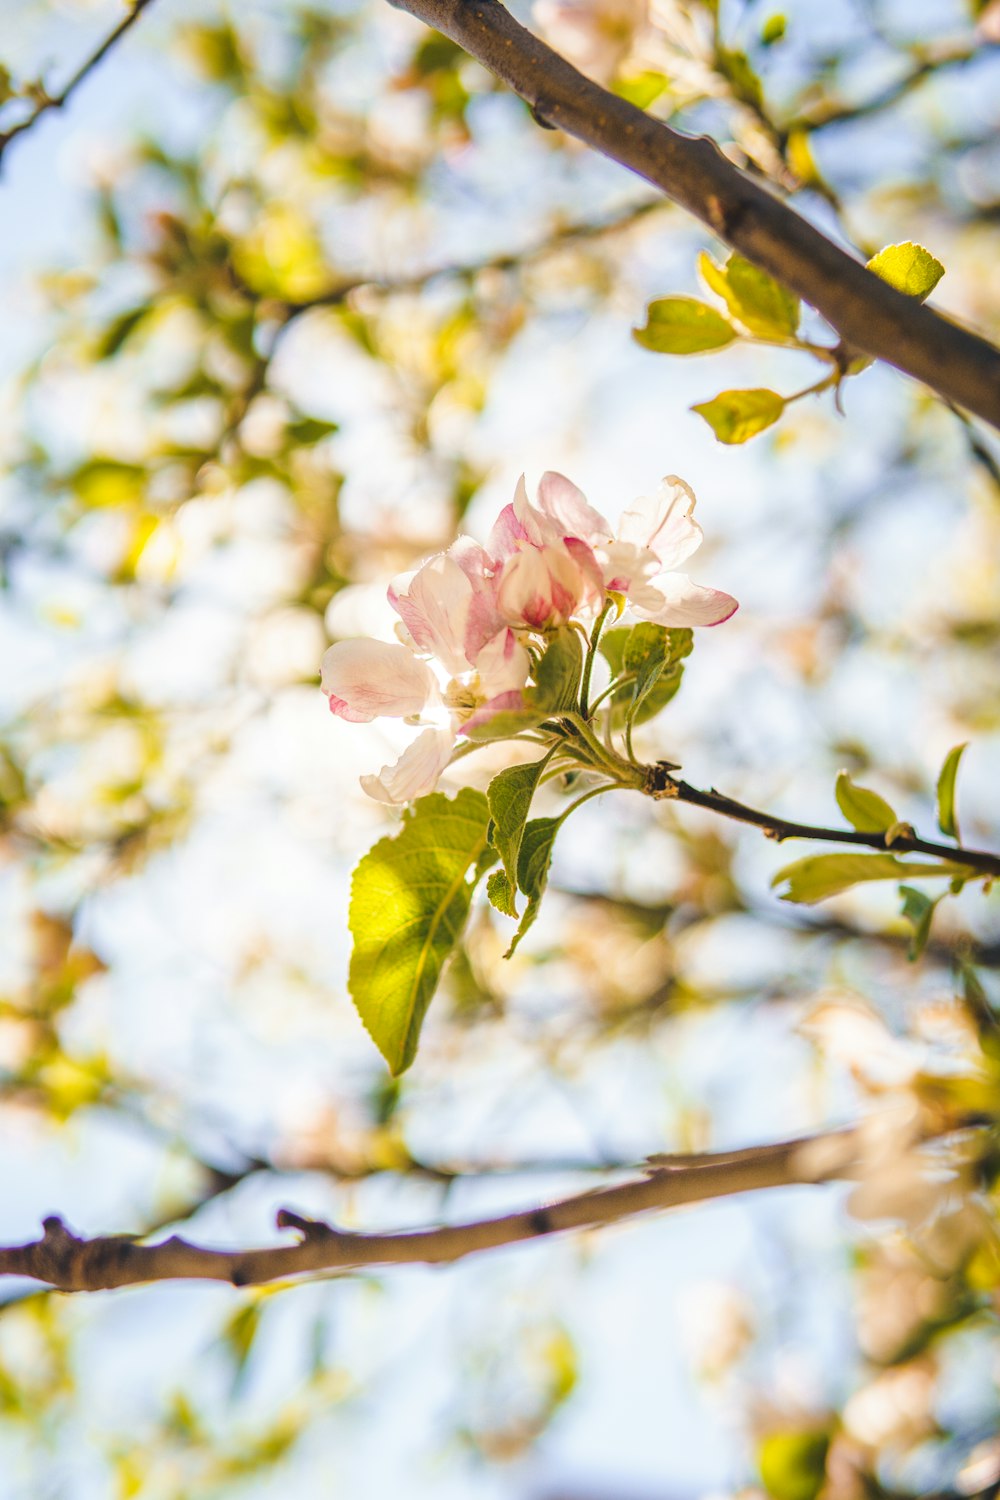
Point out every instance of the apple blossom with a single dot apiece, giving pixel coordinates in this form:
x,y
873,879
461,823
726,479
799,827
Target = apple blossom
x,y
474,621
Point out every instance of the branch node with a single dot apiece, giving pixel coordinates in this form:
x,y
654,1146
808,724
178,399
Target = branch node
x,y
310,1229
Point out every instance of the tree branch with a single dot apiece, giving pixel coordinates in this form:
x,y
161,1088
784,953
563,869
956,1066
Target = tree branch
x,y
869,315
60,100
663,784
71,1264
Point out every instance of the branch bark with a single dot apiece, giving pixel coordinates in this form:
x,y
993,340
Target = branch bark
x,y
664,785
72,1264
60,100
869,315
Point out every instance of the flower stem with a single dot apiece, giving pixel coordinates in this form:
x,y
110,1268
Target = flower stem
x,y
588,665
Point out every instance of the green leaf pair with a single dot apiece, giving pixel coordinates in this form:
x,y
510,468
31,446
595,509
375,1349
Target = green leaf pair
x,y
651,657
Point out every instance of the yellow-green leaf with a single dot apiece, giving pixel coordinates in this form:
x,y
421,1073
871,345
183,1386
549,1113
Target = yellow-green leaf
x,y
735,416
909,268
761,304
410,898
947,820
820,876
683,325
864,810
793,1464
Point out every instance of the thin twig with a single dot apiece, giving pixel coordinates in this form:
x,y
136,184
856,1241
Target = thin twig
x,y
71,1264
869,315
662,784
60,100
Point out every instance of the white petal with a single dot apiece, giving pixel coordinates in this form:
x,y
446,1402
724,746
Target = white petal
x,y
433,604
664,524
674,600
567,507
367,679
503,665
416,771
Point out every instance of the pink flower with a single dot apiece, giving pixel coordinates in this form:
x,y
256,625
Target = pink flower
x,y
548,571
366,679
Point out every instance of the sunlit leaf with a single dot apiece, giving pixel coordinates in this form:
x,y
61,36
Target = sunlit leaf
x,y
736,416
683,325
793,1464
410,898
864,810
947,818
757,300
819,876
909,268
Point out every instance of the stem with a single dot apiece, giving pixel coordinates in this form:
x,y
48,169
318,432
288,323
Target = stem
x,y
588,665
661,784
612,764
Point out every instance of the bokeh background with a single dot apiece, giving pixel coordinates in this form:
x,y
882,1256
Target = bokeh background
x,y
290,294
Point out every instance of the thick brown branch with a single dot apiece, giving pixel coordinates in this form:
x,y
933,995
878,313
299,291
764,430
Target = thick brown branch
x,y
72,1264
869,315
60,100
666,785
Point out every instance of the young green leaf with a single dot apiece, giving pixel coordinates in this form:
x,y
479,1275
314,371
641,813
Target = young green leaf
x,y
410,898
653,656
501,893
760,303
683,325
864,810
533,869
909,268
821,875
947,819
736,416
505,724
918,909
509,796
557,675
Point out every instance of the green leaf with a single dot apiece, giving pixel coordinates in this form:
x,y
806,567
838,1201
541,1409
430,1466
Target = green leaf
x,y
533,869
501,893
683,325
866,811
410,898
918,909
909,268
654,654
793,1464
760,303
505,724
120,330
947,820
735,416
821,875
773,30
509,797
557,675
308,430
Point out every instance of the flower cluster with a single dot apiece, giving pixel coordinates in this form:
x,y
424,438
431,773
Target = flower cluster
x,y
472,618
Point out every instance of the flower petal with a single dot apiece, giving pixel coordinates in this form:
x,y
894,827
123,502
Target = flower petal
x,y
541,586
567,507
416,771
503,665
366,680
674,600
664,524
434,605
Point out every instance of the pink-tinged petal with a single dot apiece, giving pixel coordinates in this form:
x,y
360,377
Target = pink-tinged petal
x,y
540,587
503,665
567,507
366,680
626,566
416,771
664,524
674,600
434,604
502,703
484,619
592,597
